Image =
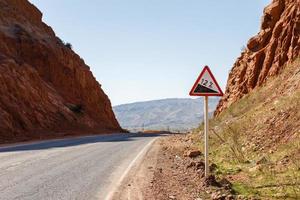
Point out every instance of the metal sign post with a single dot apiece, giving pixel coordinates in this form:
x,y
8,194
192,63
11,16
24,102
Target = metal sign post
x,y
206,85
206,135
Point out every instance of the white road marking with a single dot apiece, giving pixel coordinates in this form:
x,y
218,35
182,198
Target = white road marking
x,y
117,185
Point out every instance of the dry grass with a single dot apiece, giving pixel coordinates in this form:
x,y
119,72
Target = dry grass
x,y
256,141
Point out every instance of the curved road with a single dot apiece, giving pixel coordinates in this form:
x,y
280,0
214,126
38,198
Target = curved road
x,y
77,168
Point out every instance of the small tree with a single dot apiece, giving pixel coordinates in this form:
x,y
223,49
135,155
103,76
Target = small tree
x,y
69,45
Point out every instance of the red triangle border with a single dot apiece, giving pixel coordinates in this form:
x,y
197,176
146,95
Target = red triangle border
x,y
206,68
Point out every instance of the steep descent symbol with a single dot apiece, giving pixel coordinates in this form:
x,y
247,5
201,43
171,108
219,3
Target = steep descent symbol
x,y
206,85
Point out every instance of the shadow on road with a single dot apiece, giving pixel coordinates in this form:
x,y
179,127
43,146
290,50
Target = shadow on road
x,y
79,141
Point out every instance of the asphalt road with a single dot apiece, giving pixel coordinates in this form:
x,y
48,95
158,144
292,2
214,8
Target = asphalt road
x,y
78,168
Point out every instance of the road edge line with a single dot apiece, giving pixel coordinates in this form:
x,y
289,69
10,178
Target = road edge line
x,y
110,195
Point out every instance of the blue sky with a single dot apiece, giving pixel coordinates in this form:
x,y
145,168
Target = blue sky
x,y
151,49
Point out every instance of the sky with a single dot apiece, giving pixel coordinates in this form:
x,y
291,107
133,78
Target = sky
x,y
153,49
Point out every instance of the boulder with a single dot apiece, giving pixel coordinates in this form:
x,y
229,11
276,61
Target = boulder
x,y
192,153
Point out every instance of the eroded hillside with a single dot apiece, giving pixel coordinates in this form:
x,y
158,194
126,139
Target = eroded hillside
x,y
267,53
255,135
255,143
46,89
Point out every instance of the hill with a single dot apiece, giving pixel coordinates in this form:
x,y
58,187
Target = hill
x,y
46,89
255,134
268,53
255,142
174,114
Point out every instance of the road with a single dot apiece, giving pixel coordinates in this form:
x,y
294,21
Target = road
x,y
78,168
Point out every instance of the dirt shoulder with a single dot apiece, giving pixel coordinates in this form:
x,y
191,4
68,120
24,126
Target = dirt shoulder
x,y
138,181
167,172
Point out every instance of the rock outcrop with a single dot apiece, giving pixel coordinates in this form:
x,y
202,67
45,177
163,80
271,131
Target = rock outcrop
x,y
266,55
45,88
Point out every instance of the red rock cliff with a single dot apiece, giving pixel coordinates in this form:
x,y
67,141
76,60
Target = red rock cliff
x,y
277,44
45,88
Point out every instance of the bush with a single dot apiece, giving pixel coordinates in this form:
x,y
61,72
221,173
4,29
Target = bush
x,y
66,44
69,45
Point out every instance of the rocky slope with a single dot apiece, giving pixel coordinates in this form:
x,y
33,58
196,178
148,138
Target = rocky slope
x,y
45,88
277,44
256,141
257,122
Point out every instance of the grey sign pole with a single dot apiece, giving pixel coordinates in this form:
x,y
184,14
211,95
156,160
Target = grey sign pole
x,y
206,134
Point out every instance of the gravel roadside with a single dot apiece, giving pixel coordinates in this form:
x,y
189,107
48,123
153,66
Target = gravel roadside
x,y
172,169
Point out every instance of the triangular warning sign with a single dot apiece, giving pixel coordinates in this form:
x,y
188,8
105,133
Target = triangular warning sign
x,y
206,85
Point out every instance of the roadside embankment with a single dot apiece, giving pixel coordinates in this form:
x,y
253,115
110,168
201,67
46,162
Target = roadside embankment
x,y
173,168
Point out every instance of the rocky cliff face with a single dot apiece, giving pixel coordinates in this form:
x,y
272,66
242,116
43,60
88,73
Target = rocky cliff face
x,y
266,55
45,88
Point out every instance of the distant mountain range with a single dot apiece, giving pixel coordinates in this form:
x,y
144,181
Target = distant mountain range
x,y
176,114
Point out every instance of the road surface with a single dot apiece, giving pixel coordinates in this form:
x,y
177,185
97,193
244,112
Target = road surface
x,y
78,168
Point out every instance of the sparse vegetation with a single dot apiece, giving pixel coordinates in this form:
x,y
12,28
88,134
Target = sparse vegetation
x,y
69,45
256,141
66,44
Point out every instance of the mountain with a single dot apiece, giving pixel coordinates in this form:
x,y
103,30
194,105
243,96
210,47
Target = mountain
x,y
166,114
255,134
46,89
268,53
